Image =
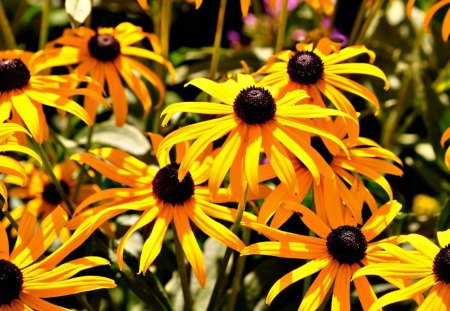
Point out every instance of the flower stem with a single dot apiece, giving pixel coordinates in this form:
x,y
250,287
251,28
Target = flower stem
x,y
6,30
48,166
11,220
373,12
214,301
182,272
358,22
217,40
84,167
282,21
43,33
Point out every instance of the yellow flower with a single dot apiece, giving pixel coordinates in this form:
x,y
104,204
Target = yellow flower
x,y
444,138
15,171
319,71
337,252
431,266
162,200
107,55
252,117
430,13
25,279
365,158
23,92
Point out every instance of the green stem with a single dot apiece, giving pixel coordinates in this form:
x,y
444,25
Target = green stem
x,y
6,30
373,12
217,40
182,272
358,22
43,33
11,220
84,167
236,284
282,21
214,302
48,166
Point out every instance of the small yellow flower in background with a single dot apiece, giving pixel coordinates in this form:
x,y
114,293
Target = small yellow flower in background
x,y
15,171
160,198
430,13
252,117
431,267
25,279
365,158
445,137
319,70
337,252
23,92
107,55
424,204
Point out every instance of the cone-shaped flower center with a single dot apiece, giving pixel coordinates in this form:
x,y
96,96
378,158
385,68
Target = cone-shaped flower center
x,y
347,244
305,67
317,143
14,74
441,265
167,187
11,280
255,105
105,48
51,195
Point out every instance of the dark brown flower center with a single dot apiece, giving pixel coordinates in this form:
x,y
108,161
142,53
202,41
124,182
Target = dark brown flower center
x,y
347,244
11,280
255,105
305,67
317,143
441,265
51,194
105,48
14,74
167,187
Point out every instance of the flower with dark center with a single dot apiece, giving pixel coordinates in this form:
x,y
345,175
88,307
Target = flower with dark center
x,y
255,105
104,47
51,194
11,280
305,67
169,189
14,74
319,146
347,244
441,265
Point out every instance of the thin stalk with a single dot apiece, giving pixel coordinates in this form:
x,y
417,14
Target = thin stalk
x,y
166,15
282,21
220,282
236,283
43,32
182,272
48,166
373,12
6,30
217,40
11,220
358,22
84,167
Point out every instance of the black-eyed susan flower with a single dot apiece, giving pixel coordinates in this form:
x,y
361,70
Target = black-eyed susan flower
x,y
160,198
108,56
336,253
431,268
23,92
445,137
251,117
430,13
15,172
26,280
319,70
365,158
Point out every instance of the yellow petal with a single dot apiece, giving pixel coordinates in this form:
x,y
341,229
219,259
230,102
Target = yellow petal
x,y
117,93
35,303
214,89
423,245
380,220
341,289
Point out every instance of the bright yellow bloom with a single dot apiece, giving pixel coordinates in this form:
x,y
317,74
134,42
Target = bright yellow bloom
x,y
319,71
337,252
252,117
365,158
444,138
431,266
160,198
430,13
15,171
25,279
23,92
107,55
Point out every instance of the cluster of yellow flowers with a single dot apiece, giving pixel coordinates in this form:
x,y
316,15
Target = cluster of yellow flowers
x,y
271,136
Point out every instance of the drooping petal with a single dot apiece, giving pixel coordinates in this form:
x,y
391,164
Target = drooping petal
x,y
36,303
341,290
117,93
